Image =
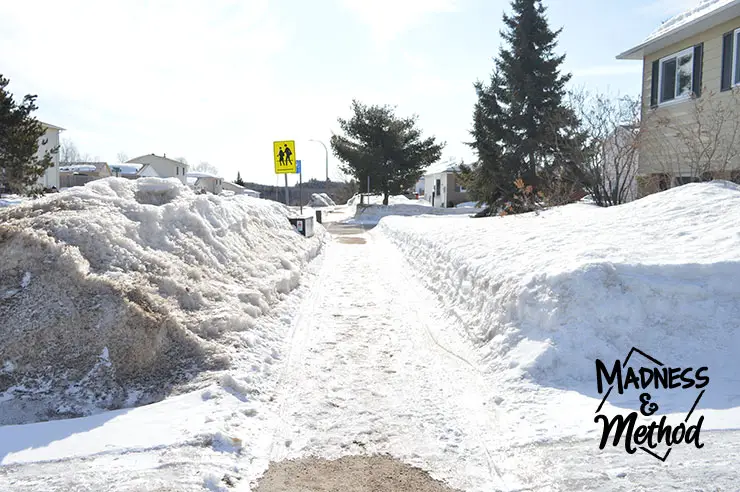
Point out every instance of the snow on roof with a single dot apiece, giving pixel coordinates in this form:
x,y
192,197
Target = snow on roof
x,y
49,125
442,167
703,11
704,8
197,174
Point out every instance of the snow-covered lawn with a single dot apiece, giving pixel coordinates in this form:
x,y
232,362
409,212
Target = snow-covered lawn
x,y
371,214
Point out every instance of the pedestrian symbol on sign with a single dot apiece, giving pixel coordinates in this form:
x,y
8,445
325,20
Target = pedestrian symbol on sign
x,y
284,155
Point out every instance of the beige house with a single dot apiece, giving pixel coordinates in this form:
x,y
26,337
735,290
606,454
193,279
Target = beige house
x,y
690,129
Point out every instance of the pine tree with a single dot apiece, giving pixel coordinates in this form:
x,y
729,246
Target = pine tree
x,y
20,134
385,148
522,127
239,179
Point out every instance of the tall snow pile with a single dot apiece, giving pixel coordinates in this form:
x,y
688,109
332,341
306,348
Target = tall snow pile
x,y
112,291
371,214
321,200
544,295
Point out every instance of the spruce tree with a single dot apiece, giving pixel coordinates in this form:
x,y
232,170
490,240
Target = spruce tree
x,y
20,134
522,127
384,148
239,179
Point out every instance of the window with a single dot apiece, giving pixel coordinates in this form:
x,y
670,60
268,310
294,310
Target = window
x,y
676,76
177,170
437,186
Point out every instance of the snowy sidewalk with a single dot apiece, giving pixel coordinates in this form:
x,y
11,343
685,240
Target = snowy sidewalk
x,y
366,376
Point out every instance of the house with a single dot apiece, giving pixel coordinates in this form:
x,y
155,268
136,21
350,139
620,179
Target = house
x,y
48,141
204,182
442,188
238,190
690,116
79,173
154,166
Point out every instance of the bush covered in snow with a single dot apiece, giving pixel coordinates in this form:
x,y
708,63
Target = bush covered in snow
x,y
124,285
321,200
544,295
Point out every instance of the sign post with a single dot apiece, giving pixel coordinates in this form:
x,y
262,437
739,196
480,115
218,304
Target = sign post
x,y
300,184
283,151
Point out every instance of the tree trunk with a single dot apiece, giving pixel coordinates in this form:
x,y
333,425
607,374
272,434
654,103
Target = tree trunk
x,y
385,198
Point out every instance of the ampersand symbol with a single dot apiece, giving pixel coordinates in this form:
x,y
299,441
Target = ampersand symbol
x,y
651,407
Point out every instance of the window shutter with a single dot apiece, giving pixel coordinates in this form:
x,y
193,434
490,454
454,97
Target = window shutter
x,y
654,84
727,61
698,68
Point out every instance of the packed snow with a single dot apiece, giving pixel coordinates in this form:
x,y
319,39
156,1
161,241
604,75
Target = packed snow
x,y
542,296
161,281
702,9
321,200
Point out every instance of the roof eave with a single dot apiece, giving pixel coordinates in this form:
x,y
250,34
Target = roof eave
x,y
712,19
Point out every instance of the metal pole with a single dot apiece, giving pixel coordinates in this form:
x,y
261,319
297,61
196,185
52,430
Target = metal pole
x,y
287,196
326,153
300,189
368,185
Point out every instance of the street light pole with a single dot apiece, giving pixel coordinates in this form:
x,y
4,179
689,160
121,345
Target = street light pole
x,y
327,156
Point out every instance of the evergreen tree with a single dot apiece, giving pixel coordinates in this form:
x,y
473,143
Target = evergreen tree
x,y
522,127
387,149
239,179
20,134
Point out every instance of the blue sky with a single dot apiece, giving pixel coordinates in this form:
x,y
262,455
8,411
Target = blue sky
x,y
219,80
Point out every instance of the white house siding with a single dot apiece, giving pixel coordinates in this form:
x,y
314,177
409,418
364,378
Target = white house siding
x,y
161,167
51,177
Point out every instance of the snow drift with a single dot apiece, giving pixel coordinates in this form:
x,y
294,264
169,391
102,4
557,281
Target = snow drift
x,y
321,200
378,200
544,295
112,291
371,214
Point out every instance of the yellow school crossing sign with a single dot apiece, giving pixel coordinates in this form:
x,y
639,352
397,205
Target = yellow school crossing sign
x,y
284,154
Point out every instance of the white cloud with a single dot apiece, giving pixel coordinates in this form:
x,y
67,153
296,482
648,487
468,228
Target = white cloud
x,y
181,77
388,19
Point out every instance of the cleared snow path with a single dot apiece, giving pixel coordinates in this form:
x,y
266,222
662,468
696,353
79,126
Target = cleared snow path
x,y
367,375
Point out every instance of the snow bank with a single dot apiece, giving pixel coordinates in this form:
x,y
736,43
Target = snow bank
x,y
372,214
542,296
378,200
321,200
120,287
